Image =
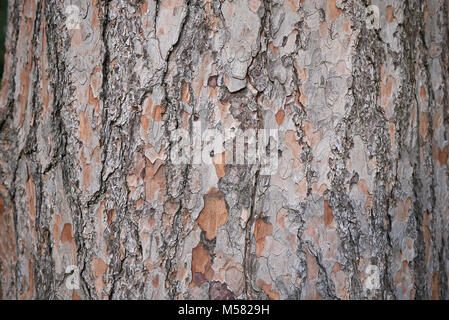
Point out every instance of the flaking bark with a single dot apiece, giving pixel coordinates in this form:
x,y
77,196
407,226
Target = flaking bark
x,y
87,177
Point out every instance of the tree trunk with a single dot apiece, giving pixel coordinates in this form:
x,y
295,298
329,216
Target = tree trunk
x,y
98,98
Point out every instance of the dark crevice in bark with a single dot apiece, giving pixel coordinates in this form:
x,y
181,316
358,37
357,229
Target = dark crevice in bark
x,y
173,240
5,133
43,265
248,255
248,252
105,121
325,285
56,42
14,17
365,119
444,250
411,47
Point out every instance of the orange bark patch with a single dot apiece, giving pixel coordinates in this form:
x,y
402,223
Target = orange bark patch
x,y
302,98
323,29
347,26
312,267
56,227
31,279
154,181
219,163
2,206
386,89
94,101
272,294
424,124
66,234
426,15
77,37
95,14
392,130
156,281
75,296
426,230
145,122
185,93
280,218
145,117
158,112
262,229
110,215
390,14
85,128
151,222
143,8
340,282
273,48
302,73
253,5
280,115
87,169
25,87
441,155
320,190
363,187
435,293
422,93
437,120
292,143
99,268
302,188
44,84
403,209
24,45
171,207
214,214
292,5
332,11
312,137
201,268
181,272
328,216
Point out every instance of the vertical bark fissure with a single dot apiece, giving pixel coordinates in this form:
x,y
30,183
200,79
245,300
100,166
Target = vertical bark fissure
x,y
411,47
43,266
12,188
248,254
106,123
444,252
174,241
14,17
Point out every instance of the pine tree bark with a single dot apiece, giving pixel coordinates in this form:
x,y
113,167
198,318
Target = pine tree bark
x,y
88,179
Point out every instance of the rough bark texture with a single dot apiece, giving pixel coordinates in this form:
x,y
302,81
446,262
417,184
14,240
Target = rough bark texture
x,y
87,177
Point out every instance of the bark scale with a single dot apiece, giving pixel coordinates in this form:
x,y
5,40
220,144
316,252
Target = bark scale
x,y
359,205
